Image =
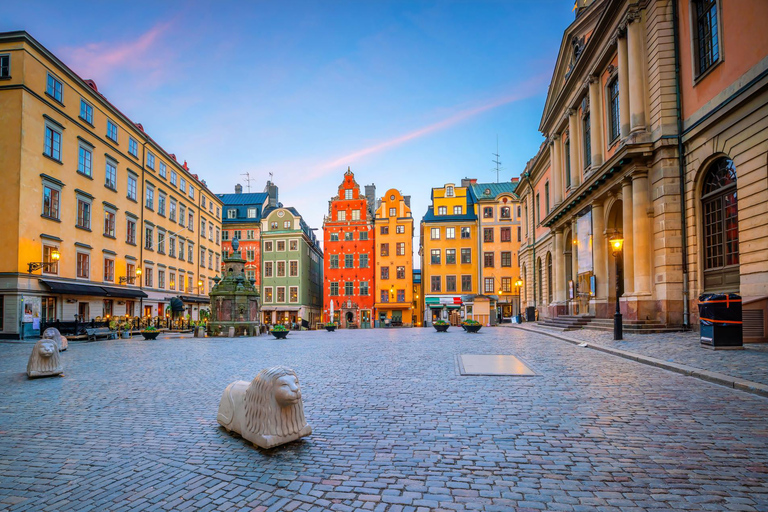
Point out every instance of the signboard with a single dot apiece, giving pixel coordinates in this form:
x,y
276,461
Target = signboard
x,y
584,234
443,300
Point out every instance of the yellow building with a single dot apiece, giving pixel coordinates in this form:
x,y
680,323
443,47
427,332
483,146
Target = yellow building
x,y
99,220
499,236
418,299
394,261
448,249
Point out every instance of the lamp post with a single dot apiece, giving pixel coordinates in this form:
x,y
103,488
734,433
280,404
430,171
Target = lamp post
x,y
55,255
616,245
518,285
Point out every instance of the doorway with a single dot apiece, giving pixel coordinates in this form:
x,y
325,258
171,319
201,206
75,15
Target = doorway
x,y
84,311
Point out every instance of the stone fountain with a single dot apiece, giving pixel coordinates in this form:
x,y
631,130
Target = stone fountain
x,y
235,307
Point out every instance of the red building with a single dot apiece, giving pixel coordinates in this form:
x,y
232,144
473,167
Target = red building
x,y
349,255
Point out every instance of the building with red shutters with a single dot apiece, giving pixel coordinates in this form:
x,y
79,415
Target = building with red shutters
x,y
349,282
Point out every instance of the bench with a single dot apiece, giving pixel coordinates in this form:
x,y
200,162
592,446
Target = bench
x,y
106,332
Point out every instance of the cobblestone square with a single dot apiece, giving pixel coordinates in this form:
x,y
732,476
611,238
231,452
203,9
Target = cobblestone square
x,y
132,426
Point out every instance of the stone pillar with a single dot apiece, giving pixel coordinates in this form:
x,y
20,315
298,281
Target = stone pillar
x,y
573,137
560,284
627,233
574,253
556,172
623,84
599,250
595,121
641,230
636,66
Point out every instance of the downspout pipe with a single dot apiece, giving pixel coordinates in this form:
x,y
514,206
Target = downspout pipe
x,y
681,166
533,232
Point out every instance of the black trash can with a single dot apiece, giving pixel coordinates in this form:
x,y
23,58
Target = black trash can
x,y
720,320
530,314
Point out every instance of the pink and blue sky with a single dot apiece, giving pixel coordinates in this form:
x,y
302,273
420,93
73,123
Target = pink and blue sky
x,y
410,95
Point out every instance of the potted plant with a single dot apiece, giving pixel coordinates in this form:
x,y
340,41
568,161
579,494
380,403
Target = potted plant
x,y
279,331
124,329
331,326
471,325
441,325
150,332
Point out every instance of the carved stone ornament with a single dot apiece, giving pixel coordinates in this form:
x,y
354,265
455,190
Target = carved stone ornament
x,y
267,411
53,333
44,360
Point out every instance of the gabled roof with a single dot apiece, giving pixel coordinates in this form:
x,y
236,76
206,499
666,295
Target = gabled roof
x,y
255,198
478,190
431,217
241,202
310,234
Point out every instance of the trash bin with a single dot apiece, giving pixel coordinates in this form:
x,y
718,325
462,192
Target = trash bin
x,y
720,320
530,314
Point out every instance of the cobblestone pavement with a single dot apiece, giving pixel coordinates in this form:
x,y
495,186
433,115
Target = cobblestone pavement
x,y
132,426
684,348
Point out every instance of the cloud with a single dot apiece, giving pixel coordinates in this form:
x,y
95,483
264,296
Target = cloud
x,y
525,90
103,60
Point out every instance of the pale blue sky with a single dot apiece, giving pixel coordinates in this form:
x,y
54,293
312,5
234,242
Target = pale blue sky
x,y
411,95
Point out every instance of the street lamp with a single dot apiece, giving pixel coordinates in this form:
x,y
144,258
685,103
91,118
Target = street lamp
x,y
55,255
130,279
616,245
518,284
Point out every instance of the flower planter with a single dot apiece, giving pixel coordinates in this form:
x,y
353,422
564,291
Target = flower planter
x,y
125,334
150,335
330,328
441,328
472,328
280,335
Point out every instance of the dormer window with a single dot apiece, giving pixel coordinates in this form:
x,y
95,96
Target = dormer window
x,y
232,213
449,191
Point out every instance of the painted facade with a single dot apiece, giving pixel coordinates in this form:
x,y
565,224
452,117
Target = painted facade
x,y
82,179
349,263
393,226
418,299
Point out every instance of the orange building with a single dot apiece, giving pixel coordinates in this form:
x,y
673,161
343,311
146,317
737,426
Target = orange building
x,y
349,255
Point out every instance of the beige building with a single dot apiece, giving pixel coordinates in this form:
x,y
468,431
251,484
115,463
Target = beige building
x,y
130,225
624,130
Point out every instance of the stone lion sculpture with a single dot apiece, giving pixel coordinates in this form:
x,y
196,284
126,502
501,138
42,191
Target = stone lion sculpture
x,y
267,411
53,333
45,360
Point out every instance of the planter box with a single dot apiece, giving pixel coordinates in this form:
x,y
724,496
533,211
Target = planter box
x,y
330,328
472,328
441,328
280,335
150,335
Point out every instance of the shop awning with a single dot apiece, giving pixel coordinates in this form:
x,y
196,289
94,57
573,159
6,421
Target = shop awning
x,y
195,300
281,308
441,301
126,293
92,290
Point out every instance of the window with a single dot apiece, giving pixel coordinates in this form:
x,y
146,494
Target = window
x,y
293,245
109,270
162,174
348,194
150,198
465,232
349,288
348,235
506,285
585,130
217,235
363,260
334,290
251,213
191,191
334,237
399,229
385,249
52,146
293,269
434,257
538,210
450,283
161,242
334,261
281,294
173,177
54,88
191,220
506,259
83,214
613,111
172,210
148,237
401,272
506,212
363,235
231,213
161,278
293,294
268,267
131,187
519,234
384,230
435,233
287,224
161,204
488,285
384,296
450,256
111,130
110,175
181,250
149,277
457,210
5,72
182,214
550,287
341,215
546,197
172,246
450,233
385,272
133,147
210,231
435,284
83,265
182,185
268,246
518,212
506,234
53,268
721,226
130,231
449,191
210,261
706,36
280,269
393,212
488,260
487,234
442,210
355,214
364,288
51,202
349,260
280,245
190,253
488,212
85,161
109,223
466,283
400,248
466,256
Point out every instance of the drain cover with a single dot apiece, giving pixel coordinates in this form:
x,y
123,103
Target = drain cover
x,y
471,364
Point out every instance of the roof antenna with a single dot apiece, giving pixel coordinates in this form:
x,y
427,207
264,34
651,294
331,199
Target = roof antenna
x,y
270,177
247,180
499,168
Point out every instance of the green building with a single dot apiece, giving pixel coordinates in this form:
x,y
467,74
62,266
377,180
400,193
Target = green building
x,y
291,269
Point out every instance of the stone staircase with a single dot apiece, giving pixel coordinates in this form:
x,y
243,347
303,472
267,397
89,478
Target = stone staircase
x,y
574,322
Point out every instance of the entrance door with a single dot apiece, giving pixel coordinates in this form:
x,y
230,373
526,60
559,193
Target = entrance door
x,y
83,309
397,318
350,319
148,311
365,319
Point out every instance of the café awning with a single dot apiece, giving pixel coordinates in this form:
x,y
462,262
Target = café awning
x,y
92,290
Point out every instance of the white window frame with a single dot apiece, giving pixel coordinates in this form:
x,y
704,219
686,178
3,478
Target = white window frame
x,y
269,298
289,294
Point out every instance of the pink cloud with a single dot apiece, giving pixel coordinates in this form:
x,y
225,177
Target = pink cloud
x,y
525,90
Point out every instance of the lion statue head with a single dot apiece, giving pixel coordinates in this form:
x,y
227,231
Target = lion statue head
x,y
273,403
52,333
44,360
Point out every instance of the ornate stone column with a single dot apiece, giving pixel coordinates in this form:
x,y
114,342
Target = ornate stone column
x,y
573,140
599,251
623,54
641,231
596,121
556,174
636,67
560,284
627,233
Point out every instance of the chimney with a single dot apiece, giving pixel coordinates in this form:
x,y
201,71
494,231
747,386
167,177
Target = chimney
x,y
466,182
272,195
407,200
370,196
238,189
516,180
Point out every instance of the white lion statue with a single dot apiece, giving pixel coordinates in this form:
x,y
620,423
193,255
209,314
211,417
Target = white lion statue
x,y
268,411
45,360
53,333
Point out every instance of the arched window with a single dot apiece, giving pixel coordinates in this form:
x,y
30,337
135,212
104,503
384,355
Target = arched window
x,y
550,286
720,214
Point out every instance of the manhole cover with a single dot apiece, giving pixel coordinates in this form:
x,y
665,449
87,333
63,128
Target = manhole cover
x,y
471,364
